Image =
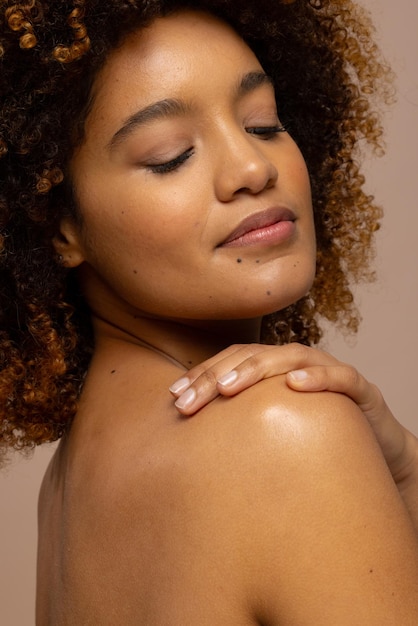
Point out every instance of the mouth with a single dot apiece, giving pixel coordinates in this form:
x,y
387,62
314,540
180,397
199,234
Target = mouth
x,y
272,226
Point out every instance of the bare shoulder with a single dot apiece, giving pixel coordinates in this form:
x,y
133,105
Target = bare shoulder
x,y
297,484
282,428
330,525
260,437
254,503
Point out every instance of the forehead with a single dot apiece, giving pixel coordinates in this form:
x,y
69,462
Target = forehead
x,y
174,49
190,56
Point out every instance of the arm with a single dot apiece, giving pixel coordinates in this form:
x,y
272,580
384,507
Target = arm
x,y
239,367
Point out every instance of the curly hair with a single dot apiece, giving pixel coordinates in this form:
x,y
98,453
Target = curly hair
x,y
327,73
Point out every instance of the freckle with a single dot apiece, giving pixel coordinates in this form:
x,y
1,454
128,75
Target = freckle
x,y
258,261
371,571
239,260
113,371
189,362
268,293
135,272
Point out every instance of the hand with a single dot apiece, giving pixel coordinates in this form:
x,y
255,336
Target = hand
x,y
306,369
239,367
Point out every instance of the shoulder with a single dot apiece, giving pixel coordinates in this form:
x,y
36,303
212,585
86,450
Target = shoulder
x,y
270,416
315,508
255,438
283,495
266,431
285,451
287,443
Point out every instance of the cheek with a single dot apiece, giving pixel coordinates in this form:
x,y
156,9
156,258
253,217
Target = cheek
x,y
135,237
298,175
295,170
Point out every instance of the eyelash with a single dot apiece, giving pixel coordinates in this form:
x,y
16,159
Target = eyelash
x,y
266,132
170,166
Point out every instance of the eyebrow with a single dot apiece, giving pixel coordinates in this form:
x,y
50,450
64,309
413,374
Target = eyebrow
x,y
172,107
169,107
252,81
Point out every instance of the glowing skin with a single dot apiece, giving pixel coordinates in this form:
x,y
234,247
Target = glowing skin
x,y
172,164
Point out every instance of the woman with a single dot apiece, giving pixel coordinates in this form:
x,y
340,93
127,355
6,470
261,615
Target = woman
x,y
151,217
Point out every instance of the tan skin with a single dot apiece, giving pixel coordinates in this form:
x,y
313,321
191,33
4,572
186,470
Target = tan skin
x,y
240,366
149,518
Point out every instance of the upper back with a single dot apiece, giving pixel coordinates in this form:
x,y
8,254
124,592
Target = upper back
x,y
230,517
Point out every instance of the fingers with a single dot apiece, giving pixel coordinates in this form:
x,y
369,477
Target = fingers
x,y
272,361
200,385
225,360
239,367
341,378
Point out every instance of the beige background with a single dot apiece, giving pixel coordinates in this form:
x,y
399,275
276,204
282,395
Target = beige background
x,y
387,345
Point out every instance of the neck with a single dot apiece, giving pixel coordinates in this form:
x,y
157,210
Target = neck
x,y
183,342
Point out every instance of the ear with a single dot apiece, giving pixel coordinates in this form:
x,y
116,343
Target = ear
x,y
67,243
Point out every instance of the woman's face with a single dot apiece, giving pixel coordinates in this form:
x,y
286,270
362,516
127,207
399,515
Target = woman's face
x,y
193,205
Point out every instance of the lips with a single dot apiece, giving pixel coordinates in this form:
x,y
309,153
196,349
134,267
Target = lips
x,y
257,224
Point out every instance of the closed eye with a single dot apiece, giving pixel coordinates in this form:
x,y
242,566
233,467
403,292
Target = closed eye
x,y
173,164
266,132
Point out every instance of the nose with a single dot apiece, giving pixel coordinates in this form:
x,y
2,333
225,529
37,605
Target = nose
x,y
243,166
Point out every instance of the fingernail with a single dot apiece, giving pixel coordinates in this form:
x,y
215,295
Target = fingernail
x,y
186,399
180,385
228,379
299,375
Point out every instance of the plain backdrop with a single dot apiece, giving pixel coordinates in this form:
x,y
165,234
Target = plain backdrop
x,y
386,347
